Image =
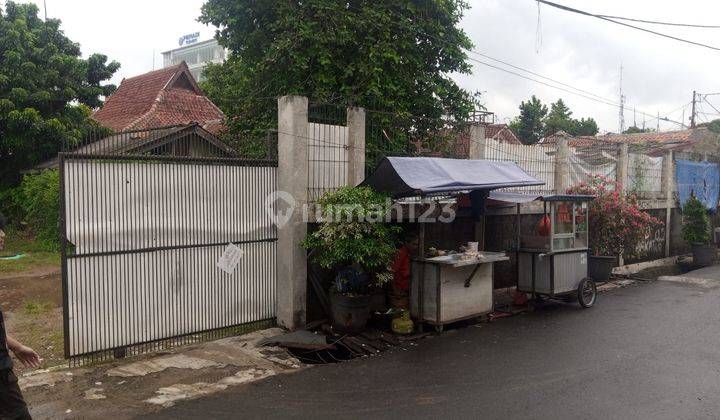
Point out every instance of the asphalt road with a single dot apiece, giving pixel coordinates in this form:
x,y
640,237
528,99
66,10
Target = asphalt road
x,y
648,351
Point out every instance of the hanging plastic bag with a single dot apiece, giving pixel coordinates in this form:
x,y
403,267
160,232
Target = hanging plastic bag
x,y
544,226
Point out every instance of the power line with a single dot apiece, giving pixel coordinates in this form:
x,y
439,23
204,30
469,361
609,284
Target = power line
x,y
537,75
567,90
711,105
602,17
655,22
583,93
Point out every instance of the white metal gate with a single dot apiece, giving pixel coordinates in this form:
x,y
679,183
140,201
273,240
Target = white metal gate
x,y
141,238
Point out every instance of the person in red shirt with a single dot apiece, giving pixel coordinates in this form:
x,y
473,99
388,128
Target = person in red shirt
x,y
401,266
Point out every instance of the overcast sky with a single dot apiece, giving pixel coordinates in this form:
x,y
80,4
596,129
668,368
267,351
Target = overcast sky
x,y
586,53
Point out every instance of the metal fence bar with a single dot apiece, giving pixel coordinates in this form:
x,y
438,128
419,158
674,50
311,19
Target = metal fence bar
x,y
327,148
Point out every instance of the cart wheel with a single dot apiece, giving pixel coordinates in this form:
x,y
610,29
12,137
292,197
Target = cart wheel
x,y
439,328
587,292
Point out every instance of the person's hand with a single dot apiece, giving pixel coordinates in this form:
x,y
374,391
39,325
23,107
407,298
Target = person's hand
x,y
28,357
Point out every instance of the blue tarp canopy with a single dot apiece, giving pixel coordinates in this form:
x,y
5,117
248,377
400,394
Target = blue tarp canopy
x,y
701,179
418,176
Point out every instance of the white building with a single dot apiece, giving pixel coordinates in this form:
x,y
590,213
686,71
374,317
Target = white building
x,y
196,55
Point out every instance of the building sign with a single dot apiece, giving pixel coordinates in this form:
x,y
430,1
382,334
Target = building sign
x,y
189,39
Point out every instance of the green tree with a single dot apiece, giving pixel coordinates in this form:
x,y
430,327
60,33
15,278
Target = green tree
x,y
559,119
46,89
394,56
530,125
714,126
535,121
635,130
584,127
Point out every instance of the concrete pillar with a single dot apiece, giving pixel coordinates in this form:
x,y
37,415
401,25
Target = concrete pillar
x,y
476,134
621,173
356,146
562,166
668,183
622,167
292,179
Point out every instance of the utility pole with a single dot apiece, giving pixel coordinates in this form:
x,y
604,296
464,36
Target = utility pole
x,y
692,116
45,7
658,122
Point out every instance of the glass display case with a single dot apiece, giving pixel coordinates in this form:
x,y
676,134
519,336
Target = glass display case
x,y
570,225
562,226
553,253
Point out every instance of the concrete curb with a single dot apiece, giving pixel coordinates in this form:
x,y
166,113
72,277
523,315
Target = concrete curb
x,y
697,281
631,269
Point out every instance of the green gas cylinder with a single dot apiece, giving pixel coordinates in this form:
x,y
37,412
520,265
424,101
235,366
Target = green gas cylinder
x,y
402,324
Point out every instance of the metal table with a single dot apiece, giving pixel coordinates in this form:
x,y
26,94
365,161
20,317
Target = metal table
x,y
446,290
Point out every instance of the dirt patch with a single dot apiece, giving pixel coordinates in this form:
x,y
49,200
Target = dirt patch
x,y
32,305
43,287
39,271
150,382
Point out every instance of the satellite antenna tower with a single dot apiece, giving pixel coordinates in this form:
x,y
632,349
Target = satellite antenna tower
x,y
622,104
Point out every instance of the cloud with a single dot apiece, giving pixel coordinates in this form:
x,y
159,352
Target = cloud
x,y
659,74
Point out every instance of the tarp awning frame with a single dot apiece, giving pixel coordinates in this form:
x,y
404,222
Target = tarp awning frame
x,y
425,176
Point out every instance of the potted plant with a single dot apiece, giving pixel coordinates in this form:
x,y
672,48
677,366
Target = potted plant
x,y
696,232
617,224
353,239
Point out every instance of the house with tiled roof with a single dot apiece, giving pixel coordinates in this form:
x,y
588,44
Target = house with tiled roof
x,y
501,133
162,112
692,140
169,96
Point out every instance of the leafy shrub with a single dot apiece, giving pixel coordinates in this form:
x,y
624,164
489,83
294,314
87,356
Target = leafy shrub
x,y
696,223
352,233
617,224
37,202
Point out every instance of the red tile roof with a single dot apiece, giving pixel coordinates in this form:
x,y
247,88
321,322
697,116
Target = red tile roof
x,y
501,133
681,136
168,96
655,142
573,141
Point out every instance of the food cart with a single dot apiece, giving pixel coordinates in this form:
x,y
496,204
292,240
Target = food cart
x,y
453,289
449,288
553,247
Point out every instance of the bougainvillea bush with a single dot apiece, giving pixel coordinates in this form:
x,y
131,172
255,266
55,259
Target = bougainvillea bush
x,y
617,224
